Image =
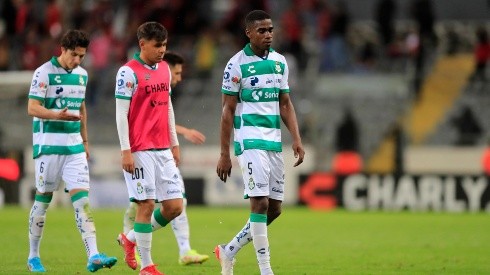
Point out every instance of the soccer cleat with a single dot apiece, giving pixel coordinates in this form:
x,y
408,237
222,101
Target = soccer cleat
x,y
192,257
35,265
150,270
99,261
128,247
226,263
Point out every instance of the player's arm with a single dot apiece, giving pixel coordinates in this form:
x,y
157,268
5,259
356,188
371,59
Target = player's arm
x,y
174,142
229,103
288,116
83,128
35,108
122,110
37,95
191,135
125,85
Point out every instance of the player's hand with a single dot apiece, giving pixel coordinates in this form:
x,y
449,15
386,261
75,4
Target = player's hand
x,y
176,154
87,152
224,167
299,153
195,136
127,161
65,115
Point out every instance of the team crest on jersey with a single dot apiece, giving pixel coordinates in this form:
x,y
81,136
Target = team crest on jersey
x,y
139,188
251,184
82,82
147,76
278,67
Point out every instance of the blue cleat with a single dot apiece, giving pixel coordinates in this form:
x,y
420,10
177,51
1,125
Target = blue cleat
x,y
35,265
99,261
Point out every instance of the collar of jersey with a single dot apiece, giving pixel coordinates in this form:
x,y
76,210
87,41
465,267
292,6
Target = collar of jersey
x,y
248,50
54,61
138,58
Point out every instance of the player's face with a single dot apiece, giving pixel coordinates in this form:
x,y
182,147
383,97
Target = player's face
x,y
70,59
152,51
260,34
176,74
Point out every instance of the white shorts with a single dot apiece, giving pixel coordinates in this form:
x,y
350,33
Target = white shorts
x,y
263,173
181,182
155,177
51,170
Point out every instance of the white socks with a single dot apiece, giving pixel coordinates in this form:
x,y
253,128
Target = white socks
x,y
85,222
37,218
180,226
258,229
240,240
143,235
129,215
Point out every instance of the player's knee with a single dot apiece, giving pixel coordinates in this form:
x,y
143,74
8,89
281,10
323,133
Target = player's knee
x,y
174,211
272,215
145,209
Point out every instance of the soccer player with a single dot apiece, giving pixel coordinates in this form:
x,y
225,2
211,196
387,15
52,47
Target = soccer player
x,y
60,151
255,96
147,135
180,225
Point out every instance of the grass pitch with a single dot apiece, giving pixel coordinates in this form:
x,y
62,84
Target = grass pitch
x,y
302,242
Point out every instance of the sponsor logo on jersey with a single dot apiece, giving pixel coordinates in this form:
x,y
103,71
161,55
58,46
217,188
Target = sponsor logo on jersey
x,y
156,88
63,102
155,103
257,94
272,95
59,90
81,81
254,80
43,85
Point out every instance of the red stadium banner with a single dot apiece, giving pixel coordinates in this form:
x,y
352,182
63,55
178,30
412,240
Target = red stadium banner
x,y
359,192
9,169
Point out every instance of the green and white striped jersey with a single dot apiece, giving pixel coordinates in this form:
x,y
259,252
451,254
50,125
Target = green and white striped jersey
x,y
257,82
57,88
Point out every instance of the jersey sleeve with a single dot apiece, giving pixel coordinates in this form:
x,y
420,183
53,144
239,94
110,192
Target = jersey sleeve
x,y
126,83
285,78
39,85
231,79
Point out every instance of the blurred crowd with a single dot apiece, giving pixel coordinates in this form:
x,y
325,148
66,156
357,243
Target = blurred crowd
x,y
208,31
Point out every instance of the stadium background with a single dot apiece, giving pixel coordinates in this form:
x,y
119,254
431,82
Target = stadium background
x,y
400,70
